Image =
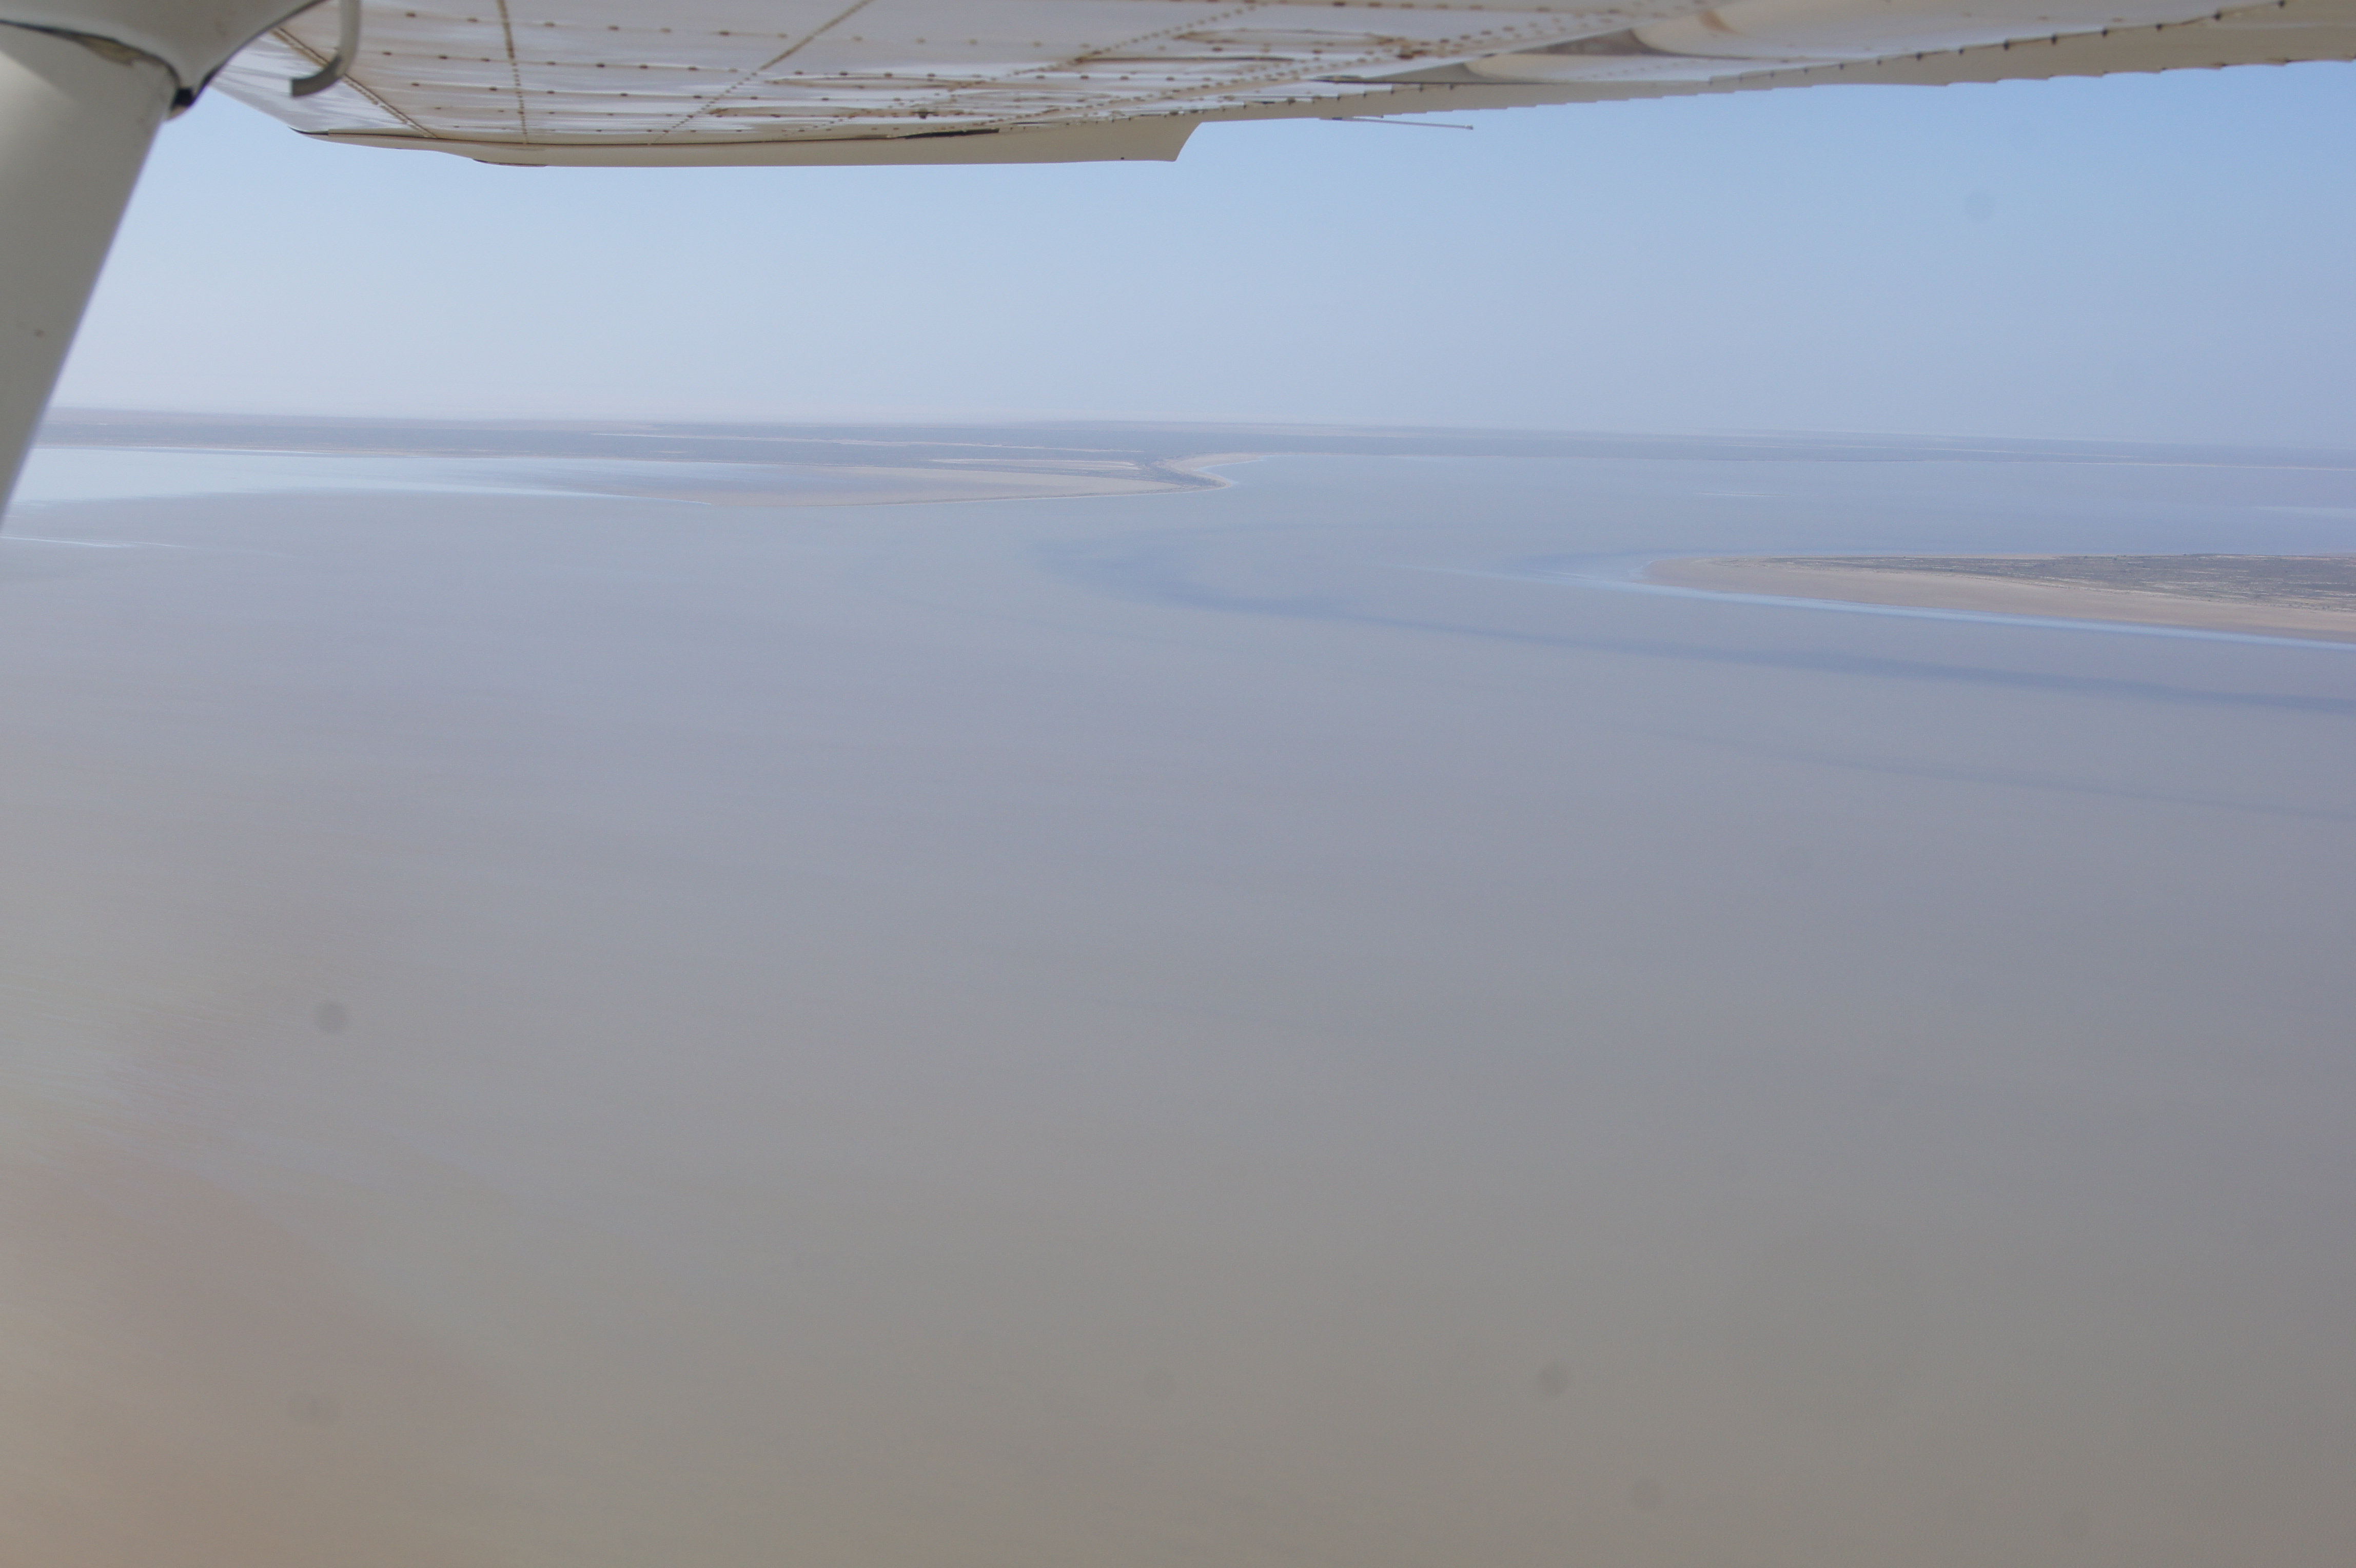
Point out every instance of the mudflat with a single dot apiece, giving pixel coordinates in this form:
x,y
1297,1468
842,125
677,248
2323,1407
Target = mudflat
x,y
2284,596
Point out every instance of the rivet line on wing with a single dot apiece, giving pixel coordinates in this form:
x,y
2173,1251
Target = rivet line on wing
x,y
515,73
768,65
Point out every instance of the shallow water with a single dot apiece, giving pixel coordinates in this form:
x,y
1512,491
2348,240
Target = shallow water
x,y
58,475
1211,1028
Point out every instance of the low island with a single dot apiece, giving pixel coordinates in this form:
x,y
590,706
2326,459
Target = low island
x,y
2311,596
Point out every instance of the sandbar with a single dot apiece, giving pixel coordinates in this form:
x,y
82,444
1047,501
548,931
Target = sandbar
x,y
2311,596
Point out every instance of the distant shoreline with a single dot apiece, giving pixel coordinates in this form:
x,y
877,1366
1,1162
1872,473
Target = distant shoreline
x,y
868,443
2311,596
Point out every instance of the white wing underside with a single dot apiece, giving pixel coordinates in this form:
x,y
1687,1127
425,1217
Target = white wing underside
x,y
787,82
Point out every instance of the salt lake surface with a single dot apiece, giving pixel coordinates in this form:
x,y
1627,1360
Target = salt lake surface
x,y
1264,1026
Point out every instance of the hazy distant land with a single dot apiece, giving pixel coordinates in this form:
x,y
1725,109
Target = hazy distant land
x,y
714,464
838,463
2291,595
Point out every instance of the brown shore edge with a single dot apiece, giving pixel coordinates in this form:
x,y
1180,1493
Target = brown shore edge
x,y
2310,597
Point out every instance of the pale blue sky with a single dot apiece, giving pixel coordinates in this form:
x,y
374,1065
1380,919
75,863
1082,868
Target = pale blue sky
x,y
2138,257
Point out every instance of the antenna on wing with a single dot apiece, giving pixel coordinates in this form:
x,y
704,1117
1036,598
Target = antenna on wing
x,y
347,49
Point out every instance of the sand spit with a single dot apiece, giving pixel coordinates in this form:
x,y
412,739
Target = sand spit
x,y
714,465
1021,477
2279,596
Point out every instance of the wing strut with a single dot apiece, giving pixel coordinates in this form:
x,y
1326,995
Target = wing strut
x,y
77,114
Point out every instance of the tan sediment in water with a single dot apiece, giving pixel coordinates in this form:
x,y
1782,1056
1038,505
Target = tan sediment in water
x,y
2303,597
549,1033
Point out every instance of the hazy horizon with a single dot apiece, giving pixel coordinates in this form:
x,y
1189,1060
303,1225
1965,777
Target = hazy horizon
x,y
70,421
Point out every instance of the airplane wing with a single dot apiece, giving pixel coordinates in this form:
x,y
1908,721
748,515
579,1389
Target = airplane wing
x,y
861,82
